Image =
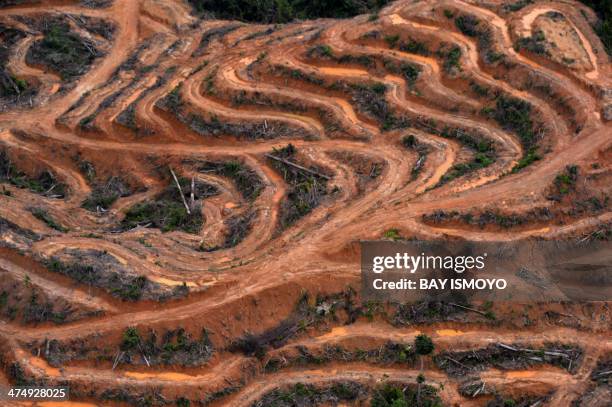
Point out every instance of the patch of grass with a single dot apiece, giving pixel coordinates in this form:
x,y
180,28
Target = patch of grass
x,y
458,170
173,100
63,51
167,211
482,91
11,85
43,215
133,290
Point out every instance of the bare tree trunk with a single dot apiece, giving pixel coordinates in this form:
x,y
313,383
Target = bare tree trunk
x,y
180,191
192,203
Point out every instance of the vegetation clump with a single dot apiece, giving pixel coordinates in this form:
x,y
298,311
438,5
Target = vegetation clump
x,y
370,99
45,183
515,115
410,142
565,181
308,395
25,302
516,5
42,215
603,26
511,357
63,51
100,269
12,88
307,186
413,46
283,11
246,180
174,347
484,154
398,395
451,56
104,195
211,125
536,44
167,211
409,71
388,354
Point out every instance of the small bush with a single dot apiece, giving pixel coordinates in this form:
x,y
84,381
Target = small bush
x,y
130,339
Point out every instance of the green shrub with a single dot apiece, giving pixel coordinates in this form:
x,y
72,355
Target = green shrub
x,y
393,234
527,159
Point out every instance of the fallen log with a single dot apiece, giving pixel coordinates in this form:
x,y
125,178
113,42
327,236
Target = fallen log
x,y
299,167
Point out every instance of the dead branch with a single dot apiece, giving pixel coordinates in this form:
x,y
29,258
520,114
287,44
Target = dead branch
x,y
118,359
299,167
144,356
479,390
457,362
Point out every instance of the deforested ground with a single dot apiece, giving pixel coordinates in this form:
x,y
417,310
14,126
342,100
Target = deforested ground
x,y
184,186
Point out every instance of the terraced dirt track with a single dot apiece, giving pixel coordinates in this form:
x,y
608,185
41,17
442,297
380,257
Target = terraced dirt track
x,y
169,94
